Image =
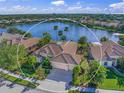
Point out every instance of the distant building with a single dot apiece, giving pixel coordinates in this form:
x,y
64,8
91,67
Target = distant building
x,y
108,53
30,44
10,38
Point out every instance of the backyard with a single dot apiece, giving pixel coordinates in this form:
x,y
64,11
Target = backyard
x,y
113,81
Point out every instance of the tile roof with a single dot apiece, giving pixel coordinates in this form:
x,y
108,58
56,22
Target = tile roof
x,y
65,52
8,36
29,42
49,49
64,58
71,48
107,50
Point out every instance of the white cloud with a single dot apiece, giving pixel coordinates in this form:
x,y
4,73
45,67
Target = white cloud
x,y
18,9
81,9
118,6
74,8
58,2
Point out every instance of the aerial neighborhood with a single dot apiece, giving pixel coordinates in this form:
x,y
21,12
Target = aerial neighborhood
x,y
61,46
68,61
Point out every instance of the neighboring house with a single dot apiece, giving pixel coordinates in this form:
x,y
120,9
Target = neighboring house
x,y
30,44
62,56
10,38
108,53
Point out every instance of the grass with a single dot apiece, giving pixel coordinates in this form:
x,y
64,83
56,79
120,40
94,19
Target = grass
x,y
76,91
18,80
111,81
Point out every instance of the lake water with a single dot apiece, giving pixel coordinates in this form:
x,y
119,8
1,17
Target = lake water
x,y
74,33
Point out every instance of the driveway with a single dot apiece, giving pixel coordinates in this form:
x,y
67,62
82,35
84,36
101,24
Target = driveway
x,y
56,81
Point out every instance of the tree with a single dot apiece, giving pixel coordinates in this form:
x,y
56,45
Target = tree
x,y
120,81
121,40
120,64
63,37
104,39
86,72
66,29
80,73
60,33
55,27
32,60
45,39
121,28
14,30
82,40
83,46
96,73
40,73
8,56
46,63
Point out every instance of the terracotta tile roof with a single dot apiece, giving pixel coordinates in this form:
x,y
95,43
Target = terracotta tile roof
x,y
108,50
49,49
65,53
29,42
71,48
64,58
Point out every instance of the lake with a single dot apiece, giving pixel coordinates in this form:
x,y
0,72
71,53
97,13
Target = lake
x,y
74,33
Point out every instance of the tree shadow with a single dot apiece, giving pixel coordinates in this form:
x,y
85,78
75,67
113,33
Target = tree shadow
x,y
25,89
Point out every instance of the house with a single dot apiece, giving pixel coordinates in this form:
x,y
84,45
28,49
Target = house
x,y
10,38
30,44
108,53
62,56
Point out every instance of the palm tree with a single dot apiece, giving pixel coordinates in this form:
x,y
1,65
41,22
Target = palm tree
x,y
66,29
55,27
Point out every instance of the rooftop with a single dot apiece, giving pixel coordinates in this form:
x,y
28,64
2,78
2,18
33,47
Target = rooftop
x,y
8,36
29,42
65,52
107,50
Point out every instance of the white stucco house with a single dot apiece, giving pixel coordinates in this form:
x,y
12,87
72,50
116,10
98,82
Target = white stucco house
x,y
107,52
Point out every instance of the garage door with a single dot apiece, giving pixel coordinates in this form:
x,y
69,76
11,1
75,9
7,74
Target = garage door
x,y
60,65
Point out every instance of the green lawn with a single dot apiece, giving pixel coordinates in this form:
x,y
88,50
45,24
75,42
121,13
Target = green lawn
x,y
18,81
74,91
111,81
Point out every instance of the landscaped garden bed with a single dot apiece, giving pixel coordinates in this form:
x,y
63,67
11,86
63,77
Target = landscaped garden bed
x,y
18,80
113,81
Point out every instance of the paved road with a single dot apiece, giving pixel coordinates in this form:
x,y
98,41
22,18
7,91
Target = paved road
x,y
21,89
10,88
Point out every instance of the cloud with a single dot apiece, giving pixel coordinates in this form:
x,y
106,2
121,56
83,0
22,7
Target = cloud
x,y
118,6
81,9
18,9
58,2
74,8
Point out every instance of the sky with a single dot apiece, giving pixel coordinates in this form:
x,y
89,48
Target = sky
x,y
60,6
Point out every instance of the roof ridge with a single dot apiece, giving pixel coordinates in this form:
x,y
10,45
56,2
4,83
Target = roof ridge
x,y
51,49
64,58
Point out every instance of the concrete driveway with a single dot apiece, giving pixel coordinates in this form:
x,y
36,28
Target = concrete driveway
x,y
56,81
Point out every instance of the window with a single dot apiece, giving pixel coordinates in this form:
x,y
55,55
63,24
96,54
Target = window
x,y
105,63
